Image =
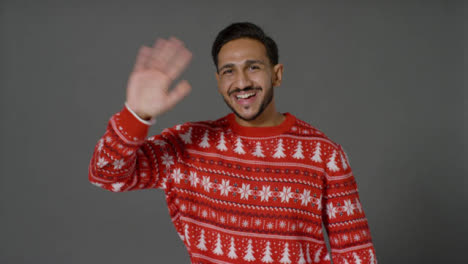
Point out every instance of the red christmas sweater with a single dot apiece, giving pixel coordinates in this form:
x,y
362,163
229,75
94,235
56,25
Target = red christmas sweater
x,y
242,194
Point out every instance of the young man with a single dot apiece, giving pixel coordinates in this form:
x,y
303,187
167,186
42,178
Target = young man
x,y
251,187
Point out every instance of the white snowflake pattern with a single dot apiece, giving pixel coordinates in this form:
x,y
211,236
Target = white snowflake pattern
x,y
293,227
345,238
245,191
348,207
265,193
183,207
282,224
270,225
331,210
222,219
167,160
102,162
245,223
233,219
286,194
206,183
194,208
306,198
193,178
356,237
258,222
224,187
204,213
118,164
177,175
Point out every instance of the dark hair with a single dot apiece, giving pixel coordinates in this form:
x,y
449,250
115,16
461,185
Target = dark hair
x,y
244,30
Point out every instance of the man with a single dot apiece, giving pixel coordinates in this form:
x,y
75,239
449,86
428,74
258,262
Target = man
x,y
251,187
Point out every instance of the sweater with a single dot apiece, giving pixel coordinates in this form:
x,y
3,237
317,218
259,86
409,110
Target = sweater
x,y
240,194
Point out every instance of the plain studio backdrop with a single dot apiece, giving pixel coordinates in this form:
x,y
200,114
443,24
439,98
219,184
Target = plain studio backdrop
x,y
385,79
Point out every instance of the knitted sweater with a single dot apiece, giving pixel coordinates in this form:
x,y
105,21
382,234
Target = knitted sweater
x,y
242,194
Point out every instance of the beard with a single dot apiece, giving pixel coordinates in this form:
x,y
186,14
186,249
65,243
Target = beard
x,y
264,104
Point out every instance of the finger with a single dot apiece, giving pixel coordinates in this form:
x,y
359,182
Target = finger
x,y
181,90
144,54
179,62
167,52
158,46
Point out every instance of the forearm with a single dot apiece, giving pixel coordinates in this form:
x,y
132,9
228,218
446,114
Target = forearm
x,y
121,160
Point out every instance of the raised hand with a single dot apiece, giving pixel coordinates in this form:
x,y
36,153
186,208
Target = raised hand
x,y
155,69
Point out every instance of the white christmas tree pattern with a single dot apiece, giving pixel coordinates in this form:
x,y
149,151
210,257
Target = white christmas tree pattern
x,y
232,250
239,146
249,252
279,152
357,260
372,257
317,255
202,242
222,143
317,153
285,255
218,249
187,137
331,165
309,259
343,162
298,153
267,254
258,151
301,256
204,143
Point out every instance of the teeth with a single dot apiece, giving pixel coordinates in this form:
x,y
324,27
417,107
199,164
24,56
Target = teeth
x,y
243,96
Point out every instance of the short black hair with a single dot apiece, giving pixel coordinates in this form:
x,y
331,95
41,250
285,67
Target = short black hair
x,y
244,30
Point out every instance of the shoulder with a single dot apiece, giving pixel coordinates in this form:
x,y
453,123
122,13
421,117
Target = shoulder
x,y
324,149
192,131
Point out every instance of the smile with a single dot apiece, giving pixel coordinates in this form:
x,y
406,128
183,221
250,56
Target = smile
x,y
245,96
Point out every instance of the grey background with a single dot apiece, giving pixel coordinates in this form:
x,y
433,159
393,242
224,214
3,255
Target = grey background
x,y
385,79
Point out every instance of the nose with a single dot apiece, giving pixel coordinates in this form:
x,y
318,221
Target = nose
x,y
243,80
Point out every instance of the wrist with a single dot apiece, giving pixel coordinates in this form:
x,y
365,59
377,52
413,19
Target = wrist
x,y
148,120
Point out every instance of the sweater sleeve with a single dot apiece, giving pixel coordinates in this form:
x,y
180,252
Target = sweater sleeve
x,y
344,218
124,159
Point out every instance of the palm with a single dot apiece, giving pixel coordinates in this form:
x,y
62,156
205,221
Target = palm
x,y
148,92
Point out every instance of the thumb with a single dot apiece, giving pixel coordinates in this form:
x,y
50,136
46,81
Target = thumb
x,y
181,90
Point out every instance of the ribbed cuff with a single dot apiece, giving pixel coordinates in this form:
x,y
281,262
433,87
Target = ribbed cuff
x,y
129,127
149,123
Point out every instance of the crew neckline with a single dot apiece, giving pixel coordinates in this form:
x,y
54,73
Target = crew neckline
x,y
287,123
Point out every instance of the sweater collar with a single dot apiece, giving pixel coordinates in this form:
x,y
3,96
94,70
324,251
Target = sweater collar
x,y
261,131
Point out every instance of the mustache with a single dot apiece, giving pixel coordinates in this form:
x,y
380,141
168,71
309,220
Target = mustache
x,y
246,89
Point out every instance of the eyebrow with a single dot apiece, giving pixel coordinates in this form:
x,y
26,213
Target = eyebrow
x,y
247,62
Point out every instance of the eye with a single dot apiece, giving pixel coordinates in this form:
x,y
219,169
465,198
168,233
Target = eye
x,y
254,67
228,71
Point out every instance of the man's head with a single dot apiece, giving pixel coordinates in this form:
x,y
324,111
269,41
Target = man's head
x,y
244,30
247,69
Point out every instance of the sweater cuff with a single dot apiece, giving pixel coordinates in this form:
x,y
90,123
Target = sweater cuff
x,y
129,127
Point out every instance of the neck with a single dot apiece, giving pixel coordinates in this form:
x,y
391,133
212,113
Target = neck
x,y
269,117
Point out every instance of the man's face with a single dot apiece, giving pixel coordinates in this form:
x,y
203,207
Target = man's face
x,y
246,77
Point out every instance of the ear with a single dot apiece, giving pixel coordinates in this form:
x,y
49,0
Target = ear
x,y
277,76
